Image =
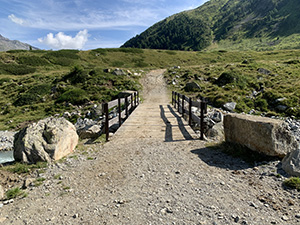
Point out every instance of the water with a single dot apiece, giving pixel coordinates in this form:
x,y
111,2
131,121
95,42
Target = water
x,y
7,156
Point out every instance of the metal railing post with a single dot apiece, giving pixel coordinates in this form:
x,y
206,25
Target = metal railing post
x,y
106,121
119,111
202,119
190,111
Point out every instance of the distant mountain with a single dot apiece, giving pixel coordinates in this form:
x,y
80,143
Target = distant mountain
x,y
232,24
6,44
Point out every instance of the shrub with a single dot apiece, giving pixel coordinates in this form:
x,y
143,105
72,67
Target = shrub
x,y
16,69
13,193
261,104
33,95
77,75
293,182
75,96
117,63
231,77
33,61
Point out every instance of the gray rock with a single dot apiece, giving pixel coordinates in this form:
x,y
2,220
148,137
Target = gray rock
x,y
1,192
6,140
281,108
119,72
264,71
193,86
217,117
49,139
268,136
291,163
87,128
230,106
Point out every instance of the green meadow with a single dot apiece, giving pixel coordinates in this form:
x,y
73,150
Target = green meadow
x,y
37,84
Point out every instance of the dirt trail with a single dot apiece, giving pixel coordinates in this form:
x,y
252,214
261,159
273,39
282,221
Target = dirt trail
x,y
154,171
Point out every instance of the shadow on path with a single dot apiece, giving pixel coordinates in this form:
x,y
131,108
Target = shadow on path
x,y
181,125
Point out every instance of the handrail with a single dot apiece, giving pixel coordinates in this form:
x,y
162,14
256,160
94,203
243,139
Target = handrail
x,y
130,103
181,101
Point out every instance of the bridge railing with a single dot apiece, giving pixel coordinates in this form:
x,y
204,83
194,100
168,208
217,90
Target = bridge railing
x,y
184,105
119,110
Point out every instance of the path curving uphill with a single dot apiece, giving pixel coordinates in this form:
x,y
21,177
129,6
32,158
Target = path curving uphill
x,y
155,171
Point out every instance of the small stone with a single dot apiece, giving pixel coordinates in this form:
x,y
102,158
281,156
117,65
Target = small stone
x,y
253,205
297,216
1,205
285,218
75,216
236,219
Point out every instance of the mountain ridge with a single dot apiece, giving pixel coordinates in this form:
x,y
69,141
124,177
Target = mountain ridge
x,y
7,44
265,24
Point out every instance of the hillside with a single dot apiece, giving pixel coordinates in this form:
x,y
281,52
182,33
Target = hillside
x,y
37,84
227,24
6,44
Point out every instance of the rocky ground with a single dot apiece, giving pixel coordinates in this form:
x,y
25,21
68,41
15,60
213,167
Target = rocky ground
x,y
151,179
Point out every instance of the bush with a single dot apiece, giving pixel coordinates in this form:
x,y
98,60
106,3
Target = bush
x,y
75,96
293,182
13,193
33,95
33,61
261,104
77,75
231,77
16,69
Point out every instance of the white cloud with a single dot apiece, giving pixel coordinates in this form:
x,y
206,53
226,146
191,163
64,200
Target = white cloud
x,y
15,19
63,41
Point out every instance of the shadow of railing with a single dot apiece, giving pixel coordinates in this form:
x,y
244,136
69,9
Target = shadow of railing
x,y
169,133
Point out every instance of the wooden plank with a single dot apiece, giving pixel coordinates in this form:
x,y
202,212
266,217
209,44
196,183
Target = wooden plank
x,y
113,121
112,104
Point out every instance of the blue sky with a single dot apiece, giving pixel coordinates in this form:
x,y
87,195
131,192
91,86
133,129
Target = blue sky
x,y
83,24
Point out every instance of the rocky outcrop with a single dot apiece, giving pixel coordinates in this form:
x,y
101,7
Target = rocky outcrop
x,y
193,86
49,139
87,128
291,163
268,136
6,140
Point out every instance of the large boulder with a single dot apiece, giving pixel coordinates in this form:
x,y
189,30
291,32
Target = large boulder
x,y
47,140
291,163
193,86
268,136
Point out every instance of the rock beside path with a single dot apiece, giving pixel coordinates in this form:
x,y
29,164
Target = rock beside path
x,y
49,139
291,163
6,140
268,136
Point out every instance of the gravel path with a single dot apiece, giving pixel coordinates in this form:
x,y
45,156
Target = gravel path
x,y
154,171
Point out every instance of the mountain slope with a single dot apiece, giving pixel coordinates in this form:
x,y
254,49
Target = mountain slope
x,y
6,44
263,23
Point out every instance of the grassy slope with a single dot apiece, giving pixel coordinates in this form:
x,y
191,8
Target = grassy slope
x,y
43,92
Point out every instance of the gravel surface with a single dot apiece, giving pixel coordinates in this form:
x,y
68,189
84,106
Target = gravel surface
x,y
162,178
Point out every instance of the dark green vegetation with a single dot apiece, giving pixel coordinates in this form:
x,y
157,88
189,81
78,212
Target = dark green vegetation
x,y
22,168
293,182
69,80
14,193
227,24
265,81
37,84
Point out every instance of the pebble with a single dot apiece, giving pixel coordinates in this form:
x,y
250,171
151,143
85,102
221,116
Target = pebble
x,y
285,218
297,216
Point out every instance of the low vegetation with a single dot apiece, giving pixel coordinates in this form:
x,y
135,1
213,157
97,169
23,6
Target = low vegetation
x,y
293,182
14,193
37,84
259,82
